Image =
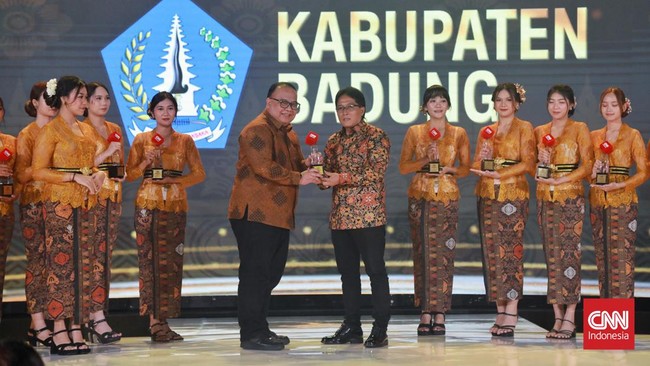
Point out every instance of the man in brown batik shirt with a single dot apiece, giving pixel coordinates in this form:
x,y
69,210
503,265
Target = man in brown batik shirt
x,y
261,211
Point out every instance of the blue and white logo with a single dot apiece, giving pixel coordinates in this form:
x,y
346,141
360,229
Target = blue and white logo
x,y
178,48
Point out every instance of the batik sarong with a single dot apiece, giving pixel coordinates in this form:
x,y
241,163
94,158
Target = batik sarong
x,y
108,217
160,238
33,230
6,231
502,225
561,226
614,233
69,240
433,232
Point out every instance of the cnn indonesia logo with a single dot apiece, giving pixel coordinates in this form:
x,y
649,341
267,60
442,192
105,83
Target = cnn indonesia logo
x,y
609,324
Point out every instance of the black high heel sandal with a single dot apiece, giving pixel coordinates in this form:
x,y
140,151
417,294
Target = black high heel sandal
x,y
81,351
173,336
104,338
495,325
565,333
60,349
424,329
437,325
553,331
159,333
509,329
33,340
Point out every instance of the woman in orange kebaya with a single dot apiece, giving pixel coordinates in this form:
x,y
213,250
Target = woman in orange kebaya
x,y
65,157
565,159
109,208
503,157
433,205
7,160
31,216
160,156
612,197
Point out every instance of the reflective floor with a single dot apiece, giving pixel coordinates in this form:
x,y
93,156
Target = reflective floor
x,y
216,342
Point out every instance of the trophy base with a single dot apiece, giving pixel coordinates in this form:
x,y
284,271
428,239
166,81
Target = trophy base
x,y
319,168
157,174
543,172
6,189
487,165
602,178
115,171
434,167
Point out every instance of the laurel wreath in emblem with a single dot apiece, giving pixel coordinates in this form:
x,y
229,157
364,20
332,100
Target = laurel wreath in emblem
x,y
227,76
131,81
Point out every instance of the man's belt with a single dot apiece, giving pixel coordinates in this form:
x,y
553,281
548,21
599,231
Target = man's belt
x,y
620,170
166,173
83,170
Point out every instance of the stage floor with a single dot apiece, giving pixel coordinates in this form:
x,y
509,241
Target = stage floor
x,y
216,342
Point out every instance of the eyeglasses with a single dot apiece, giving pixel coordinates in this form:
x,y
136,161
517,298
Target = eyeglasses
x,y
349,108
286,104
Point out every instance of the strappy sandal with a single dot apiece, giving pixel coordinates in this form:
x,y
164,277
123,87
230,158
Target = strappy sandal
x,y
425,329
495,327
161,334
551,333
80,345
60,349
565,333
509,330
104,338
441,326
173,336
33,340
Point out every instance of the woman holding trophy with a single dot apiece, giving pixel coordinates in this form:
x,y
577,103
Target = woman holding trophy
x,y
505,152
565,158
431,150
160,156
612,197
109,204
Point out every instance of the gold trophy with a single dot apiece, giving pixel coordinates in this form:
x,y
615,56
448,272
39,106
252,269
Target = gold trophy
x,y
6,183
157,169
434,166
488,164
544,170
114,168
602,176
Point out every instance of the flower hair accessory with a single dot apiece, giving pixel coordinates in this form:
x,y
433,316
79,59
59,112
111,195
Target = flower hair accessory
x,y
628,106
50,87
521,91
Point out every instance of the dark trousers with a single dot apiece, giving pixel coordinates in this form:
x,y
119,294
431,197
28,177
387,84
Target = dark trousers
x,y
263,253
367,244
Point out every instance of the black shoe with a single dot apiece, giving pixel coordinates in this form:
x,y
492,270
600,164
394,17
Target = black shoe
x,y
378,338
262,343
345,334
284,340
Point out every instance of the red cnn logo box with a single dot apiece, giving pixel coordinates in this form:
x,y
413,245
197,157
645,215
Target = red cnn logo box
x,y
608,324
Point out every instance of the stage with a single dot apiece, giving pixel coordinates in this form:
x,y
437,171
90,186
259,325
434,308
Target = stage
x,y
211,341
